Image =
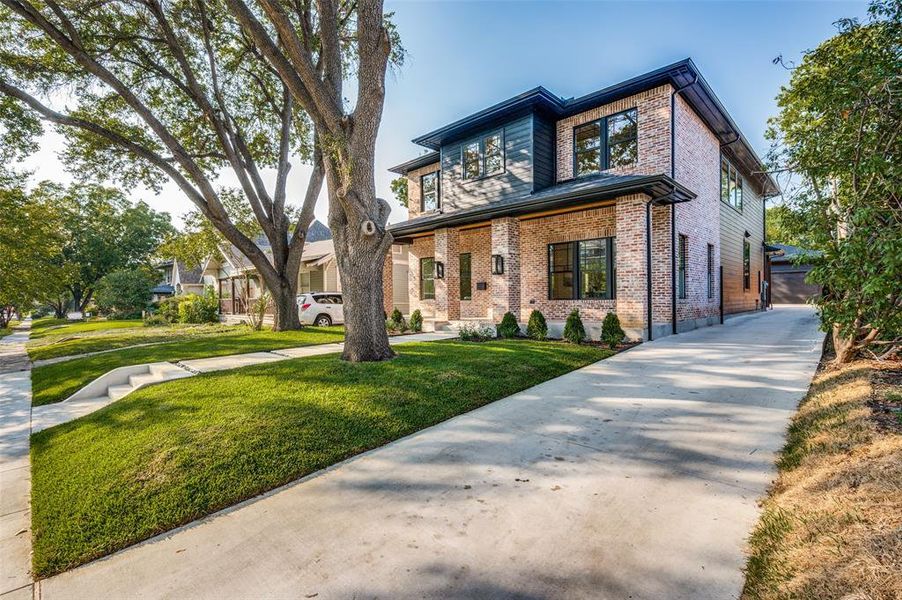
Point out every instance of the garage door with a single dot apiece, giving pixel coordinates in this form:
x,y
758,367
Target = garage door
x,y
789,287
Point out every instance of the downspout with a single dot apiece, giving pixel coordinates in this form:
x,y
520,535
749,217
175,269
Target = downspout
x,y
648,265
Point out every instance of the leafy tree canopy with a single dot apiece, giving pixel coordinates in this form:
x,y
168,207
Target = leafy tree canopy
x,y
399,189
839,130
126,291
103,232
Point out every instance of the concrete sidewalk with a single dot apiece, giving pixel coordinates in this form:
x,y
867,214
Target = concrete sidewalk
x,y
15,471
635,477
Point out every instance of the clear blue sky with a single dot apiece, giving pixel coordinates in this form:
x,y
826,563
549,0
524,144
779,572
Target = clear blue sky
x,y
464,56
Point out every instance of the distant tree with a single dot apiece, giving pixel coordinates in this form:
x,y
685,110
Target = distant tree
x,y
125,291
104,232
399,189
782,225
31,238
840,130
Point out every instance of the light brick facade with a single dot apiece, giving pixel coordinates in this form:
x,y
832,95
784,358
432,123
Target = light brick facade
x,y
523,240
414,193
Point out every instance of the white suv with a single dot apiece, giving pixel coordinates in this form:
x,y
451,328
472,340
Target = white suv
x,y
321,308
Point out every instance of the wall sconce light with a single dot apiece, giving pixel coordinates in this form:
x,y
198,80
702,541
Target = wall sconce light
x,y
747,234
439,270
497,264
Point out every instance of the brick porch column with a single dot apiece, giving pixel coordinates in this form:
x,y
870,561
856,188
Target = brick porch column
x,y
447,290
388,290
631,282
506,287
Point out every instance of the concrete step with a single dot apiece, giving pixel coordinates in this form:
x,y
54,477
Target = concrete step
x,y
165,370
138,380
118,391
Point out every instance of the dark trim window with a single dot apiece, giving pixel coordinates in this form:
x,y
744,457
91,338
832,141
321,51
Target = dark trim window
x,y
483,157
612,141
429,186
427,278
710,271
746,265
683,258
730,185
466,277
581,270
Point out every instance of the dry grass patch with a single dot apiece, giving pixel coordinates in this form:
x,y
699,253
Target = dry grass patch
x,y
832,522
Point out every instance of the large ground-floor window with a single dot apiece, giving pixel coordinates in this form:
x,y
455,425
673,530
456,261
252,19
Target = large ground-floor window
x,y
581,270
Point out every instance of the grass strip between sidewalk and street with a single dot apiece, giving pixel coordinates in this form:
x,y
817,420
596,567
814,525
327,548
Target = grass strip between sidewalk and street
x,y
831,525
172,453
56,382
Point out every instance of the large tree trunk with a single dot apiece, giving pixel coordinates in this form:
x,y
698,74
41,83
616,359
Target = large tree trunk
x,y
284,299
366,338
844,346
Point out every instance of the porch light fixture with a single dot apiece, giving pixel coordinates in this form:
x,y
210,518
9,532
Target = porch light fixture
x,y
497,264
439,270
747,234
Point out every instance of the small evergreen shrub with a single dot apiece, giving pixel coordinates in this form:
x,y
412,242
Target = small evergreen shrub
x,y
537,328
396,316
475,333
574,332
416,321
508,327
396,326
611,331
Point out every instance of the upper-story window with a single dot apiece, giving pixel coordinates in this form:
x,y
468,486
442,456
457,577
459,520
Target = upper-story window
x,y
483,157
429,184
606,143
730,185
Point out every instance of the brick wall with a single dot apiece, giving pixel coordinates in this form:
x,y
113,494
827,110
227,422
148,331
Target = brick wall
x,y
505,288
387,284
698,168
654,133
447,289
478,243
414,194
535,235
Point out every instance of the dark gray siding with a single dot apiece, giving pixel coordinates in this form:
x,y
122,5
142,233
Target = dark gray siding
x,y
544,151
514,181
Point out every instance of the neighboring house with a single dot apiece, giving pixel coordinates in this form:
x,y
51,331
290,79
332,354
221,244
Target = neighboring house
x,y
177,279
629,199
789,267
238,284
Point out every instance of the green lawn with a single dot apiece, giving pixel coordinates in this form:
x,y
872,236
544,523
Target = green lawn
x,y
5,331
71,340
58,327
56,382
168,454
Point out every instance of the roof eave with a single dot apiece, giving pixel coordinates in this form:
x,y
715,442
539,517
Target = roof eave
x,y
662,189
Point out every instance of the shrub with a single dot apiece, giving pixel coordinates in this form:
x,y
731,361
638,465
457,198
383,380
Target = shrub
x,y
199,309
396,316
124,292
257,310
508,327
168,308
537,328
574,332
611,331
416,320
155,320
475,333
398,325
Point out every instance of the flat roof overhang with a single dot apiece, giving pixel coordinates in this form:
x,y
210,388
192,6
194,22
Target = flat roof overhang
x,y
661,189
416,163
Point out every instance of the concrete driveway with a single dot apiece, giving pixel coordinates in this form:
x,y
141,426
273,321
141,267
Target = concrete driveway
x,y
636,477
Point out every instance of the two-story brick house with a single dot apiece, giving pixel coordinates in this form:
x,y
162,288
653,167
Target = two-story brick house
x,y
629,199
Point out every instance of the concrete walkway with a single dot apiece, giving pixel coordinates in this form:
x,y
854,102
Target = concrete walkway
x,y
15,471
635,477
